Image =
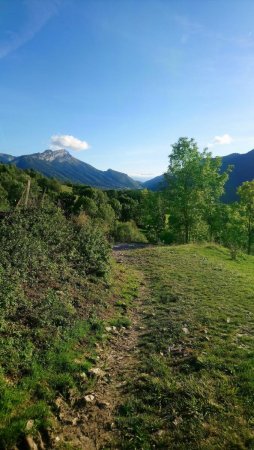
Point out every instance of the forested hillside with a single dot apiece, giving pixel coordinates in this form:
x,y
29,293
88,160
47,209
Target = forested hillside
x,y
242,170
61,165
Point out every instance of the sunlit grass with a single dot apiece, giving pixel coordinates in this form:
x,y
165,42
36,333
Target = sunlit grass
x,y
196,383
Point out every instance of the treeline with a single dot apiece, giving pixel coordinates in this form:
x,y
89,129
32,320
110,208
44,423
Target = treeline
x,y
188,209
195,186
123,216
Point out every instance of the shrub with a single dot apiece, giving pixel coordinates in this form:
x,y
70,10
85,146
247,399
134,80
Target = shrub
x,y
34,241
128,232
92,250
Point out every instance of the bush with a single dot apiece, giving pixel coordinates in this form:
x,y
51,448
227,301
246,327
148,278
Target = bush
x,y
92,250
36,241
128,232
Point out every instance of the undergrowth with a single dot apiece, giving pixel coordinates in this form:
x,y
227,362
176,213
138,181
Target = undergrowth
x,y
53,288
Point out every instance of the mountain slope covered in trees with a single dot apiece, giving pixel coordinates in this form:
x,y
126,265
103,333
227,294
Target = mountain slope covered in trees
x,y
61,165
243,171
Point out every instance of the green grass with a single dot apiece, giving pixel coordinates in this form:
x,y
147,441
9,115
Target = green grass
x,y
32,397
40,364
195,388
65,188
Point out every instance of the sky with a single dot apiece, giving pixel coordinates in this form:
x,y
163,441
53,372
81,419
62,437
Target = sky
x,y
116,82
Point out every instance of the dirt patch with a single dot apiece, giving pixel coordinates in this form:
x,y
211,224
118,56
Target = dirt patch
x,y
89,423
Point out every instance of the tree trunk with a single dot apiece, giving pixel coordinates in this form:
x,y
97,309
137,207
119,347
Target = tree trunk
x,y
186,233
249,236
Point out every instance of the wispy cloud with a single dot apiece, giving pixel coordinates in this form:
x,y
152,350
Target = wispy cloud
x,y
191,28
142,176
68,141
36,14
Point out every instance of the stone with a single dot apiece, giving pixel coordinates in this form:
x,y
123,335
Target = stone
x,y
89,398
96,372
108,329
29,425
83,376
31,445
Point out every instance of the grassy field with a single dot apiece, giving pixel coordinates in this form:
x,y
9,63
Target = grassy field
x,y
195,382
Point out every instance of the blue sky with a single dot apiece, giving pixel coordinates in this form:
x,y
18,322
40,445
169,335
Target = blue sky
x,y
118,81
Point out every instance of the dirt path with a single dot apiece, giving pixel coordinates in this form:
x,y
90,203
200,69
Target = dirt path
x,y
90,425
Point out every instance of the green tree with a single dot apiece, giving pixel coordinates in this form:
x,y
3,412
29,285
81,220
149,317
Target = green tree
x,y
246,194
195,186
153,214
233,232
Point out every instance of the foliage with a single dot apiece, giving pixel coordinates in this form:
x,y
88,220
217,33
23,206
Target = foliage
x,y
246,194
194,187
128,232
36,240
152,214
92,250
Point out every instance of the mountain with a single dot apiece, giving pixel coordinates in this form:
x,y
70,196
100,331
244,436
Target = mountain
x,y
61,165
155,184
4,158
243,171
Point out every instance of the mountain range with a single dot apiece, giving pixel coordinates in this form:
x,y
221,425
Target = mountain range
x,y
243,171
61,165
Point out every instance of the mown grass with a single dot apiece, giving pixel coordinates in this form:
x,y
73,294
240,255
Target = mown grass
x,y
195,388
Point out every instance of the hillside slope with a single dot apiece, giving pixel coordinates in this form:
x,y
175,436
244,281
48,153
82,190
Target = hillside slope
x,y
194,382
61,165
243,171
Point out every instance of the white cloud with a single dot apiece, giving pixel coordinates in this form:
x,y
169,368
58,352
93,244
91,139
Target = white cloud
x,y
222,140
225,139
68,141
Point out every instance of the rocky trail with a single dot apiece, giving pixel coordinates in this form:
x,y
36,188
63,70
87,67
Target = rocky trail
x,y
89,424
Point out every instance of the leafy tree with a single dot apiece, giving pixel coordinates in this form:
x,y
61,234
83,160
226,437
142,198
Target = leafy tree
x,y
117,207
233,233
4,204
67,202
195,185
153,214
130,208
86,204
246,194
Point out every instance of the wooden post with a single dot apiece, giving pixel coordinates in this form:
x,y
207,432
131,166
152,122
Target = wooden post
x,y
27,191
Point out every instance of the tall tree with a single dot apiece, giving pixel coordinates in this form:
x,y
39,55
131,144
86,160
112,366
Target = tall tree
x,y
195,185
246,194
